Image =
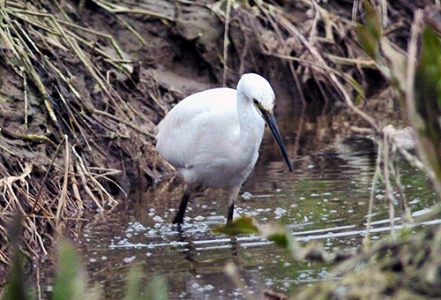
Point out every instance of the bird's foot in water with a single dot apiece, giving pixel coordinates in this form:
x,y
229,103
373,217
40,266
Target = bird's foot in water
x,y
178,220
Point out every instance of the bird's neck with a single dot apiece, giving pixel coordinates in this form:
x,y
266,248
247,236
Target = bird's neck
x,y
250,121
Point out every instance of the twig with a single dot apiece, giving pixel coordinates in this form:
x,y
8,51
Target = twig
x,y
123,121
45,178
27,137
366,240
62,201
226,42
332,76
386,165
118,9
84,182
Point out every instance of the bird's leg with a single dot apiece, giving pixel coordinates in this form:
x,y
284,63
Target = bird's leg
x,y
232,196
230,212
234,248
179,218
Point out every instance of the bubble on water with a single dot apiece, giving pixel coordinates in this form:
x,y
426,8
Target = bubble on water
x,y
247,195
199,218
129,259
158,219
323,273
138,227
279,212
123,242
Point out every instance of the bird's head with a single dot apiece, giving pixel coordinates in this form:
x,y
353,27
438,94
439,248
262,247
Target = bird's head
x,y
257,89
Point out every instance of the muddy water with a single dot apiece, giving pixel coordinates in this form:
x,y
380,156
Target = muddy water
x,y
325,199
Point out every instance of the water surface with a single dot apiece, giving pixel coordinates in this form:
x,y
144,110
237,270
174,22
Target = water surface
x,y
325,199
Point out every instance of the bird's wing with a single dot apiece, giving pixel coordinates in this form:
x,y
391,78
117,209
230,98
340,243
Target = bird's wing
x,y
183,134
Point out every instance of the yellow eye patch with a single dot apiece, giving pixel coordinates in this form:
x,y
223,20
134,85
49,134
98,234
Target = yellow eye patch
x,y
257,103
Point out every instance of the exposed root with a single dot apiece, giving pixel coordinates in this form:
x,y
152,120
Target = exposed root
x,y
55,64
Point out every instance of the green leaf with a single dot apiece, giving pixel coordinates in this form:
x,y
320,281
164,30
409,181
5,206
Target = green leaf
x,y
70,281
428,74
280,239
272,232
373,22
428,99
156,290
243,224
280,235
17,287
369,34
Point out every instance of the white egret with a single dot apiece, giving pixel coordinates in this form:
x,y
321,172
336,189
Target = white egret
x,y
213,137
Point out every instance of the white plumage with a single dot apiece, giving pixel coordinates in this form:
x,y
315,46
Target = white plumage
x,y
213,137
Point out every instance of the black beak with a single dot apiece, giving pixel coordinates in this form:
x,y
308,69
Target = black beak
x,y
271,121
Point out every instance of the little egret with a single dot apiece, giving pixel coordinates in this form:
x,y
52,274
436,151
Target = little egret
x,y
213,137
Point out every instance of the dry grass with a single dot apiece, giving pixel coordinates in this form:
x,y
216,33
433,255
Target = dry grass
x,y
64,154
322,45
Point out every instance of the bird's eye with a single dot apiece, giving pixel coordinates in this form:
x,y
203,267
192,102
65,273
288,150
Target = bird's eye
x,y
258,104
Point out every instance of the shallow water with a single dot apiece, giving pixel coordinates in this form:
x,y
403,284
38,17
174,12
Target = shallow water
x,y
326,198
